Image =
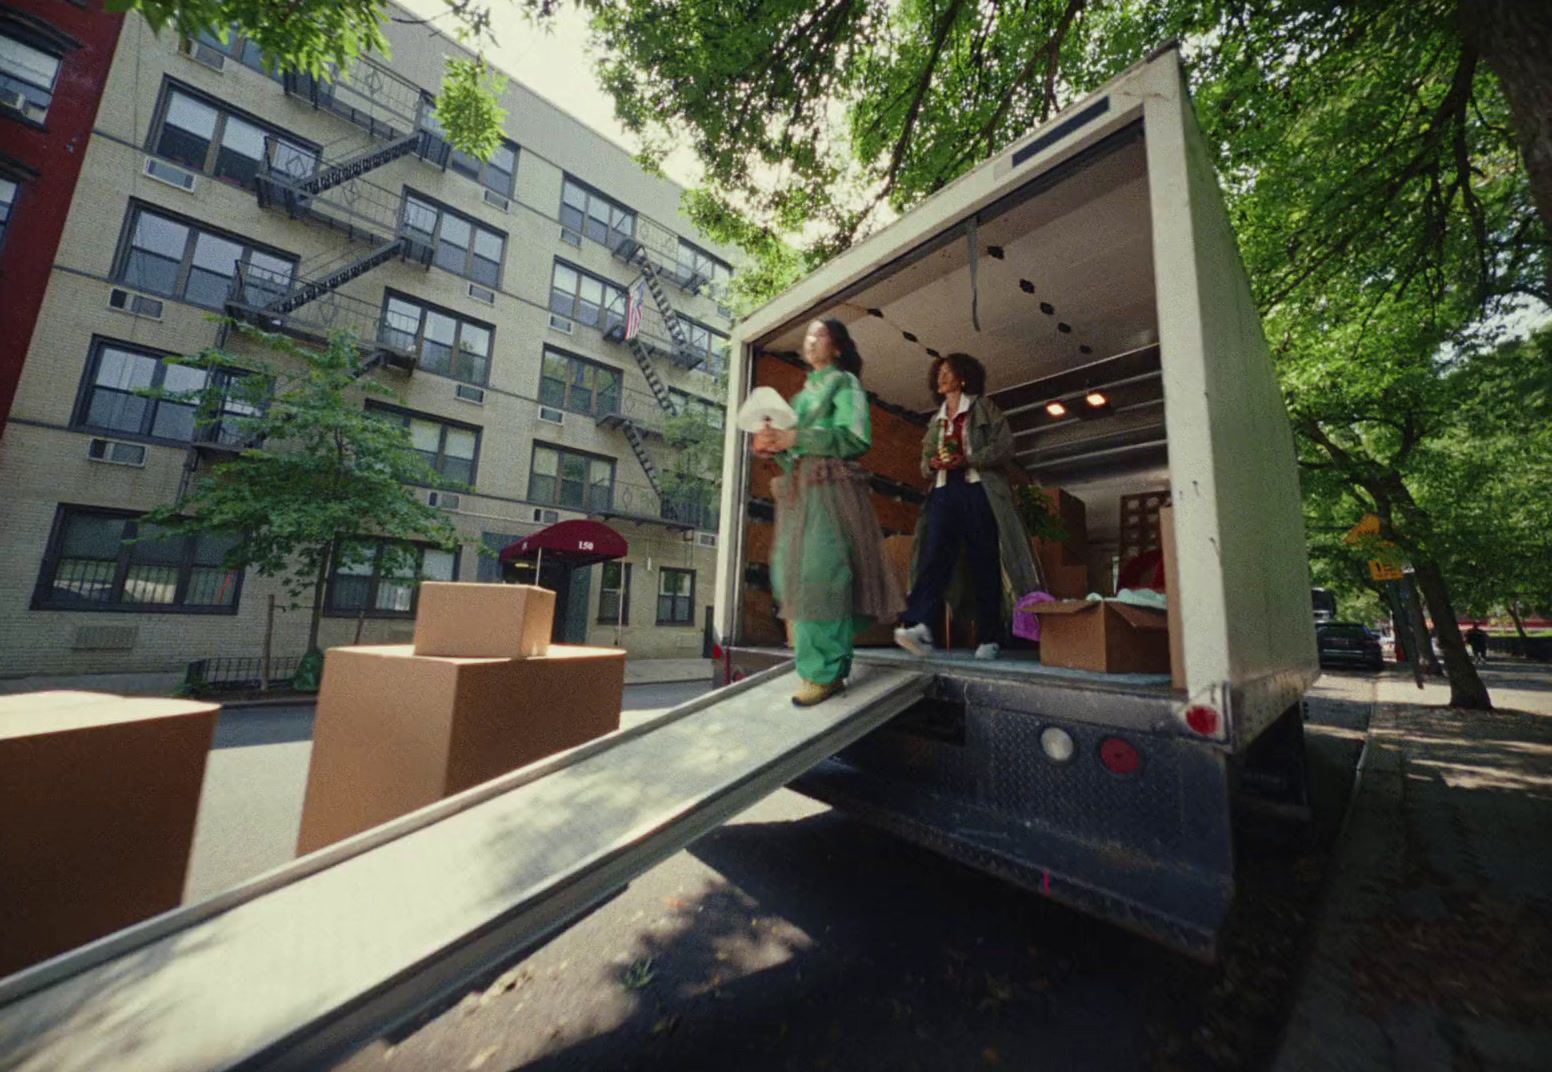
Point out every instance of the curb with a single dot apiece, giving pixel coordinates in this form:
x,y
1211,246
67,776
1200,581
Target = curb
x,y
1323,899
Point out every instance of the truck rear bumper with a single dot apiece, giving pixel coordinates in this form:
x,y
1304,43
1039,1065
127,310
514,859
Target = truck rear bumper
x,y
965,772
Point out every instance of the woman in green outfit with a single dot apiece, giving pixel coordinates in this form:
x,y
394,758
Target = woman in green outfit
x,y
827,568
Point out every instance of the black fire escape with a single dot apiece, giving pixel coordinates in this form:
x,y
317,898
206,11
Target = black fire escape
x,y
660,336
333,191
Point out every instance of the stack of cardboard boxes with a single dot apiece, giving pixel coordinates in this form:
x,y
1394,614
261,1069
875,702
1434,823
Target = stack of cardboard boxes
x,y
480,692
1102,635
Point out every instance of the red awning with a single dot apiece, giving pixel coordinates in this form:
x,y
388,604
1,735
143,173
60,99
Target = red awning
x,y
577,543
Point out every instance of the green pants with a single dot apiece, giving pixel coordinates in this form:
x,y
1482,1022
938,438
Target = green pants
x,y
824,648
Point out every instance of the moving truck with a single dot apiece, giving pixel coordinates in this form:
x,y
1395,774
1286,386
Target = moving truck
x,y
1091,267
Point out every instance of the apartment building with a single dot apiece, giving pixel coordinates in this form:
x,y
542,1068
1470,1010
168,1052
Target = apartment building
x,y
54,61
491,296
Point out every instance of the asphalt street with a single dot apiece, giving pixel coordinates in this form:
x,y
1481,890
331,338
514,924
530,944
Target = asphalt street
x,y
796,938
255,778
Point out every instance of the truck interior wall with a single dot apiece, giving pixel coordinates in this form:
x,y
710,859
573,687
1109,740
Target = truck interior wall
x,y
1235,483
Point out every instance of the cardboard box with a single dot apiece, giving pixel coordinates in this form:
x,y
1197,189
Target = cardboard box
x,y
98,797
1074,516
1082,634
1177,639
497,621
1066,577
396,731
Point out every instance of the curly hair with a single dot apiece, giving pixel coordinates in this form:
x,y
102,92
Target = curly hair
x,y
967,368
847,359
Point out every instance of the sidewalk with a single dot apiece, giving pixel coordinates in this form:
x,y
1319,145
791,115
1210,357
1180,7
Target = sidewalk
x,y
1434,946
637,672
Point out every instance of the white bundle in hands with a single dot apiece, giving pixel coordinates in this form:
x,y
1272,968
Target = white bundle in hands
x,y
765,408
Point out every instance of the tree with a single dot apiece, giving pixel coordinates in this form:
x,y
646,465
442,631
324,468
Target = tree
x,y
1383,170
317,473
1396,132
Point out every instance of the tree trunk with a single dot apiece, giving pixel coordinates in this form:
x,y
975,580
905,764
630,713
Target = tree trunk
x,y
1466,688
1424,658
318,586
1519,622
1515,38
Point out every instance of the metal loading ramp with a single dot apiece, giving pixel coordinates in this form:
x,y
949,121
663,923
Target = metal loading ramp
x,y
305,963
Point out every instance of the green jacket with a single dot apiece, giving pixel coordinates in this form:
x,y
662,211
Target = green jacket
x,y
989,447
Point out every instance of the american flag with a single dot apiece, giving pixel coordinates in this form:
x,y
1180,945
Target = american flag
x,y
634,309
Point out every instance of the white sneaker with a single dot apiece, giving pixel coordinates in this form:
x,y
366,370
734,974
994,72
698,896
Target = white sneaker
x,y
988,651
916,639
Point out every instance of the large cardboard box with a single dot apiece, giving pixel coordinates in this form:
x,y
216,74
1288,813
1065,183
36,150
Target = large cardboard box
x,y
1082,634
396,731
98,796
498,621
1177,639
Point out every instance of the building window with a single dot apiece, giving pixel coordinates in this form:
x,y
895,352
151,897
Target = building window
x,y
113,399
579,296
591,213
461,246
709,345
109,560
675,597
450,449
8,191
239,48
381,578
572,383
167,256
705,409
614,594
447,344
497,173
219,142
566,478
695,262
27,77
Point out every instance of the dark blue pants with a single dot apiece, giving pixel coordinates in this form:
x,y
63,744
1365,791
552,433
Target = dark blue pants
x,y
959,515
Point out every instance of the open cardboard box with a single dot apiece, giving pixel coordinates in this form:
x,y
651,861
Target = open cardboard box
x,y
1084,634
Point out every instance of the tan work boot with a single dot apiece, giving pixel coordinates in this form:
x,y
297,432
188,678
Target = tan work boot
x,y
811,693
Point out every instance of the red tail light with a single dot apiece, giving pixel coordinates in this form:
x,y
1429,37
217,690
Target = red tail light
x,y
1203,720
1119,756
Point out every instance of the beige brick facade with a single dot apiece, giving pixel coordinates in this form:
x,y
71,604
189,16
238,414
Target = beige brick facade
x,y
44,461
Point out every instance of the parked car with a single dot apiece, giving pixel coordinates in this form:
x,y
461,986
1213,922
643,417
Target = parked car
x,y
1348,644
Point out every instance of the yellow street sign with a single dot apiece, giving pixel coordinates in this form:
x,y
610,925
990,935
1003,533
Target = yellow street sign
x,y
1384,571
1369,526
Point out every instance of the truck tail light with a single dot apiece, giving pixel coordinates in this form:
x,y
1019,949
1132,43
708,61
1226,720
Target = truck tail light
x,y
1056,743
1119,756
1202,719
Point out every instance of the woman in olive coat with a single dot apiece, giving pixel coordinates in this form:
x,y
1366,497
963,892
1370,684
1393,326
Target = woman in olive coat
x,y
969,510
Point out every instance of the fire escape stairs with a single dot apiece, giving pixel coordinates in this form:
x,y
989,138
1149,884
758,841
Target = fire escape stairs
x,y
312,289
354,167
638,447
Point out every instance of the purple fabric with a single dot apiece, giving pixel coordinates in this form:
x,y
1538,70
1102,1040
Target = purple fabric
x,y
1026,623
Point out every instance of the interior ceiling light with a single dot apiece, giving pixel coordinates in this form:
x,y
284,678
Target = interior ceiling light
x,y
1056,409
1096,399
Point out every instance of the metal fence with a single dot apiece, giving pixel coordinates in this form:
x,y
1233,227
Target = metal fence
x,y
232,674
